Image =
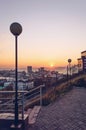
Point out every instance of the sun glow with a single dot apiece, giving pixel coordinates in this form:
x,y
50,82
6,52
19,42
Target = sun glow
x,y
51,65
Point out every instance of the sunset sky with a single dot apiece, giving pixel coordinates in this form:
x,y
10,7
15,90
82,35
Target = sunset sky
x,y
53,31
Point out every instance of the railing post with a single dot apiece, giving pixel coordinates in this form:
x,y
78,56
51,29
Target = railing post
x,y
22,105
40,95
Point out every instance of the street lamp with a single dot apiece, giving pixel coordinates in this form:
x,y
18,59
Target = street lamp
x,y
16,30
67,72
69,61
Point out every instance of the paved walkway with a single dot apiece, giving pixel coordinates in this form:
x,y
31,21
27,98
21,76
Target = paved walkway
x,y
68,113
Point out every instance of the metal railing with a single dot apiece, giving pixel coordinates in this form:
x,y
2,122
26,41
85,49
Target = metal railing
x,y
25,98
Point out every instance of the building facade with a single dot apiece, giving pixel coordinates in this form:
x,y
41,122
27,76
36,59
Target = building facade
x,y
82,62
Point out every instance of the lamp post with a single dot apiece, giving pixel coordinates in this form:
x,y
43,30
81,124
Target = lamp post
x,y
69,61
16,30
67,72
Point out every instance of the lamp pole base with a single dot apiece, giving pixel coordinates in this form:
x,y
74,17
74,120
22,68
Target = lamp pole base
x,y
16,127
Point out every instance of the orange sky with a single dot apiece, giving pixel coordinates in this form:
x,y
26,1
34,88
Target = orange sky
x,y
37,63
52,33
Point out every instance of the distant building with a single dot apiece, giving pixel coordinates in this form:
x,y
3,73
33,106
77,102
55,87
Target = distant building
x,y
29,69
82,62
41,69
83,53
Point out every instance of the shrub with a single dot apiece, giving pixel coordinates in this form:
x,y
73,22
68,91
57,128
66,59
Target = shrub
x,y
81,83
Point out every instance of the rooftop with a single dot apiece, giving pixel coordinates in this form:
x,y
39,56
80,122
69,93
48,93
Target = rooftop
x,y
83,52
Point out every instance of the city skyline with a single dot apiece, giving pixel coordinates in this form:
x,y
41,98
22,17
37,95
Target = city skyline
x,y
53,32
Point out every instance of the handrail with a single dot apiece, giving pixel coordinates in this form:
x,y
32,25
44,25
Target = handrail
x,y
12,91
24,98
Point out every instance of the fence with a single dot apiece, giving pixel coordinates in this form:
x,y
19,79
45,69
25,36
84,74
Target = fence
x,y
25,98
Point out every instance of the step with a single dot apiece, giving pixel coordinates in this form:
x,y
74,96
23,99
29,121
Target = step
x,y
28,111
33,114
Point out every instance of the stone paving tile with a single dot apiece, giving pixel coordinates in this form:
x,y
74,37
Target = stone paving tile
x,y
68,113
